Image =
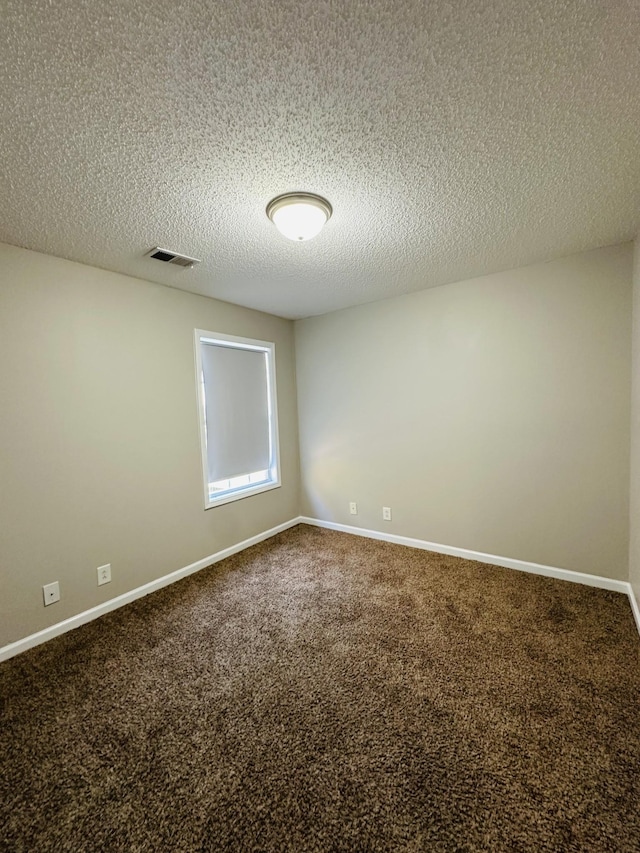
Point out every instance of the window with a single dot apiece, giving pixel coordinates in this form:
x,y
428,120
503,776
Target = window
x,y
238,416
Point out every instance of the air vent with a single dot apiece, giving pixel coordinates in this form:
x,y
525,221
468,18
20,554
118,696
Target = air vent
x,y
169,257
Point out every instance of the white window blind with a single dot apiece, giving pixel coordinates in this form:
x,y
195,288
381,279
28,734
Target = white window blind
x,y
237,411
238,416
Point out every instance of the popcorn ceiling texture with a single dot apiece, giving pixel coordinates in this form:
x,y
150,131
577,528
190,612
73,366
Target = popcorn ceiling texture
x,y
452,139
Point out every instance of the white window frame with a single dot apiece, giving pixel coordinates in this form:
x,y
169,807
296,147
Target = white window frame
x,y
235,342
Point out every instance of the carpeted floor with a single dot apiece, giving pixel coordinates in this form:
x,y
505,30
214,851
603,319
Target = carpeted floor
x,y
323,692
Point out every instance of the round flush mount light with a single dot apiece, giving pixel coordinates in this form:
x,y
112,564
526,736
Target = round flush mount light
x,y
299,216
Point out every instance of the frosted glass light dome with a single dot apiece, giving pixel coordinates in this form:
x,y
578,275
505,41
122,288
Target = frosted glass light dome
x,y
299,216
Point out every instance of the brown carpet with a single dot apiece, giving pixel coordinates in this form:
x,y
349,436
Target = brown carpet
x,y
323,692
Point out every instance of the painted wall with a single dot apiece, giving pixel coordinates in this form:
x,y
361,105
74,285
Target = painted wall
x,y
634,538
100,456
492,414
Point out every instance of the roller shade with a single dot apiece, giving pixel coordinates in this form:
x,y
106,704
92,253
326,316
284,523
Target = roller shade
x,y
237,411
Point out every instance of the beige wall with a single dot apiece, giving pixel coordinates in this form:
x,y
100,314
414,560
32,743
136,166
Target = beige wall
x,y
100,453
492,414
634,539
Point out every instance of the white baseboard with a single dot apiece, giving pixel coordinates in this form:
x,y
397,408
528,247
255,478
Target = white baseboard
x,y
36,639
32,640
492,559
506,562
635,607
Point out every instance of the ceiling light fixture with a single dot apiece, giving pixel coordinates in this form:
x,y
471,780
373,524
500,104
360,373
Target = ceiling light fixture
x,y
299,216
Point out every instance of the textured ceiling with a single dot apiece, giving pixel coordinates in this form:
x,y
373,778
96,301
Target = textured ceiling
x,y
452,139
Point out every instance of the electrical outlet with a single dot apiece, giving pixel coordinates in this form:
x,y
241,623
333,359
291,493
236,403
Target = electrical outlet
x,y
51,593
386,513
353,508
104,574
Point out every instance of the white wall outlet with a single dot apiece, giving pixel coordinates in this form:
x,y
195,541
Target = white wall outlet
x,y
104,574
51,593
353,508
386,513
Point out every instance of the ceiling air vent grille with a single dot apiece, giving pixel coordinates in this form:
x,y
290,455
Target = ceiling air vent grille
x,y
169,257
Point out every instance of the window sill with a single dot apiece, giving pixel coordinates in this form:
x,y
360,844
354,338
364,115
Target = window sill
x,y
238,494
